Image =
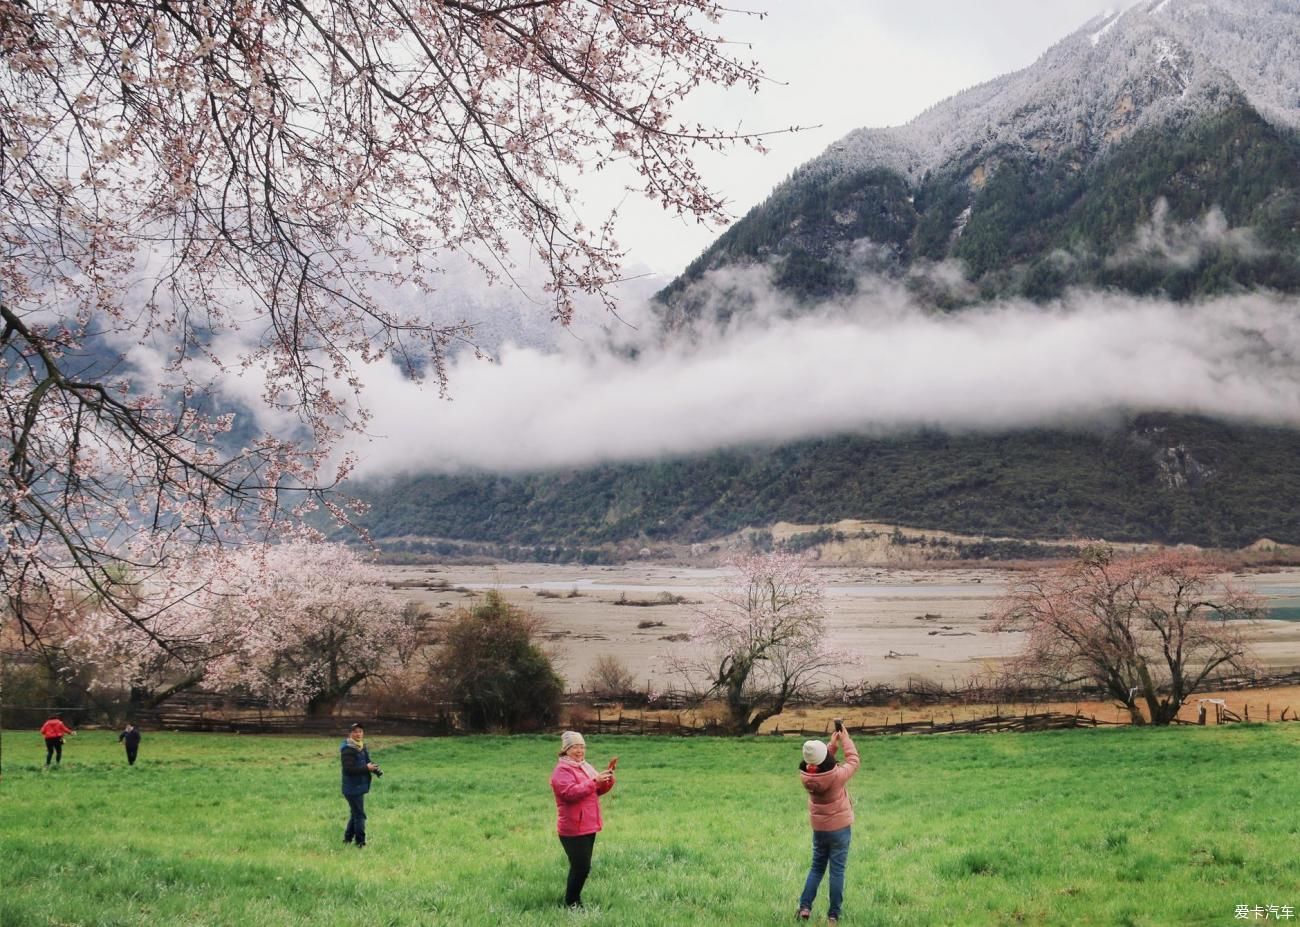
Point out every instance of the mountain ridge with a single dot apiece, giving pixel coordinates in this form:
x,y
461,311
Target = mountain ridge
x,y
1062,142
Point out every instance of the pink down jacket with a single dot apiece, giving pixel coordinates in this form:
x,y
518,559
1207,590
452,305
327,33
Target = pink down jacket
x,y
829,806
577,800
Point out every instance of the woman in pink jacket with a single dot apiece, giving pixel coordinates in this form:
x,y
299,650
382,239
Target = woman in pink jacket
x,y
831,812
578,787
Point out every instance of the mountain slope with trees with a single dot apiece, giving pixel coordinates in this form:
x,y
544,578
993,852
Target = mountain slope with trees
x,y
1159,478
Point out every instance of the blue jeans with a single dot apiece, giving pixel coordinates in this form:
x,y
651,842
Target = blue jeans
x,y
829,846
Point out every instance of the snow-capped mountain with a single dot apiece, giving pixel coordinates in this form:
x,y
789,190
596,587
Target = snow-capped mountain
x,y
1159,61
1183,112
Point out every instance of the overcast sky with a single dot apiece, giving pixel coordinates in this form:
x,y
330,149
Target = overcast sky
x,y
843,65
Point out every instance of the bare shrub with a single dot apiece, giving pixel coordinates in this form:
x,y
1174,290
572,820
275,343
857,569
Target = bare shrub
x,y
609,677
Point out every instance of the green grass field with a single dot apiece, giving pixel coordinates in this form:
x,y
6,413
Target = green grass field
x,y
1072,828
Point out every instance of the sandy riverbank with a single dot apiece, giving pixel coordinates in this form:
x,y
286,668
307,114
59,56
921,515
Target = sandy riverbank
x,y
898,623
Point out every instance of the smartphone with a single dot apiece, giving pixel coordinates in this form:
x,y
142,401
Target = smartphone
x,y
613,761
839,724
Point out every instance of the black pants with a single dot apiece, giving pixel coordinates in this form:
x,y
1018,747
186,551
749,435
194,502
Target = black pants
x,y
356,820
54,748
578,849
131,751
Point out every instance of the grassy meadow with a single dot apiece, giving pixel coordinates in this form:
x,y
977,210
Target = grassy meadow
x,y
1107,827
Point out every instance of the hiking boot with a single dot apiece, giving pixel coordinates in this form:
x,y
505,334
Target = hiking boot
x,y
804,914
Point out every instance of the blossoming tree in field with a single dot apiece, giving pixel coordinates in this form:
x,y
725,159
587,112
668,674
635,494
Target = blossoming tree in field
x,y
762,642
315,621
302,624
184,617
199,192
1149,629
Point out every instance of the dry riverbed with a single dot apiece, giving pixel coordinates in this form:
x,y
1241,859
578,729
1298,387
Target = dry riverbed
x,y
898,624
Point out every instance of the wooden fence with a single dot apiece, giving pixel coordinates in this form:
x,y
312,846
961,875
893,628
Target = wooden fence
x,y
616,722
197,711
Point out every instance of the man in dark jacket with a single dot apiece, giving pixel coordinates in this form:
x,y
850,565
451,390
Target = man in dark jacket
x,y
357,771
131,739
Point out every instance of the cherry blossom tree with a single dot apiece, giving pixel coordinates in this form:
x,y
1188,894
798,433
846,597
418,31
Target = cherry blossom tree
x,y
1149,629
314,622
300,623
185,618
196,192
73,647
763,642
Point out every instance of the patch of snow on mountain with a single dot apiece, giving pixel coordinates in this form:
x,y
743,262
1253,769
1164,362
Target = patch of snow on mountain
x,y
1099,85
960,225
1111,18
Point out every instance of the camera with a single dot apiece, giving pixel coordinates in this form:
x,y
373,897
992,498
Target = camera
x,y
378,773
839,724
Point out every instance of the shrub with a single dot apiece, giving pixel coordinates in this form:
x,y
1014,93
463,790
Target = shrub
x,y
490,666
609,676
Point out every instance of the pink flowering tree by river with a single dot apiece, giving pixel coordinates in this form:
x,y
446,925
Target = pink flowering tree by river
x,y
762,643
1149,629
315,621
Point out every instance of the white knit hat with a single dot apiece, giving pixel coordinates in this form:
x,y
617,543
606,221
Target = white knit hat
x,y
814,752
573,739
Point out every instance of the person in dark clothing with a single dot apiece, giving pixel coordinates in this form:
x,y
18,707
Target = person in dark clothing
x,y
131,738
357,772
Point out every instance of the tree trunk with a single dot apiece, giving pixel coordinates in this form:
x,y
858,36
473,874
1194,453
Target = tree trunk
x,y
148,699
323,704
761,714
1165,712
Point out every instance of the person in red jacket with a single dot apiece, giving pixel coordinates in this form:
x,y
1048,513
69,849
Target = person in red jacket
x,y
54,730
831,813
578,787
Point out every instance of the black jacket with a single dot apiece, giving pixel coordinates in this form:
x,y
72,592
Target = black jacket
x,y
356,778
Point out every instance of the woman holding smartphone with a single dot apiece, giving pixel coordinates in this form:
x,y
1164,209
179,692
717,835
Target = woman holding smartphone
x,y
578,787
831,813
